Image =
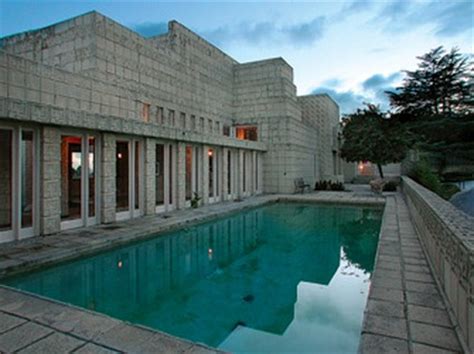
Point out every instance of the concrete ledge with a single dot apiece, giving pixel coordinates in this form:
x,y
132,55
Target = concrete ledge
x,y
405,311
447,235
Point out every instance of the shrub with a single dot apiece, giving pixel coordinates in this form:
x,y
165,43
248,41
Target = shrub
x,y
320,186
448,190
328,186
390,186
336,186
425,176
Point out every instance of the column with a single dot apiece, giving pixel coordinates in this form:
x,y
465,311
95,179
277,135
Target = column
x,y
240,174
224,189
205,175
149,176
50,177
254,173
181,176
107,178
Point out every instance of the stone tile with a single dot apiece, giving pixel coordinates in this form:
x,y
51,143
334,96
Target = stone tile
x,y
417,268
391,283
383,325
91,348
434,335
22,336
428,315
199,349
427,288
8,322
124,337
389,266
425,349
425,299
386,273
419,277
161,343
55,343
374,344
386,294
385,308
83,324
415,261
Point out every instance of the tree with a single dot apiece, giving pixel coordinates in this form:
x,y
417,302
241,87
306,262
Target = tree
x,y
369,135
442,84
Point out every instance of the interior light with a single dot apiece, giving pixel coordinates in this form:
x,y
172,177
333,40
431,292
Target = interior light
x,y
119,155
210,152
119,264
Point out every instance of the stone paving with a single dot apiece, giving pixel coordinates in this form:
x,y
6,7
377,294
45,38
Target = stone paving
x,y
405,311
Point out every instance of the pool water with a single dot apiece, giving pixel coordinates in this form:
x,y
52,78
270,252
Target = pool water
x,y
280,278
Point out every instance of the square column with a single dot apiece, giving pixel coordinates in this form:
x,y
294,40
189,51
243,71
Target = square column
x,y
240,174
181,176
107,178
150,176
225,171
205,175
50,177
254,173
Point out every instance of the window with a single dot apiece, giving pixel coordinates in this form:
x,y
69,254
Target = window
x,y
159,115
226,130
146,112
171,121
182,120
246,133
201,124
193,122
218,127
209,125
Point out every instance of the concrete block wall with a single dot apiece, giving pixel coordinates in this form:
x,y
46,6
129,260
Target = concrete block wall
x,y
448,238
50,180
322,113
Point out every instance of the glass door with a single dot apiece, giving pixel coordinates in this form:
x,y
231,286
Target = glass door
x,y
18,183
78,181
128,179
6,185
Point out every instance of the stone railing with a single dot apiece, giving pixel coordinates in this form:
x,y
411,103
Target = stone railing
x,y
448,237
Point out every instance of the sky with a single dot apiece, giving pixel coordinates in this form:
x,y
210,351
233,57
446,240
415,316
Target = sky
x,y
352,50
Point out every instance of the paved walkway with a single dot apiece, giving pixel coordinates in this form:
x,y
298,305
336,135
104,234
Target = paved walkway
x,y
30,324
405,312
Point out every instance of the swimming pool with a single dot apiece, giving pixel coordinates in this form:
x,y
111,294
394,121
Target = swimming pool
x,y
283,277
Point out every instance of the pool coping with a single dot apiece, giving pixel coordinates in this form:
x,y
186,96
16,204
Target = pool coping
x,y
51,322
406,310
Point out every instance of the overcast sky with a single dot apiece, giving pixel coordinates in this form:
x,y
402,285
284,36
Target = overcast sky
x,y
353,50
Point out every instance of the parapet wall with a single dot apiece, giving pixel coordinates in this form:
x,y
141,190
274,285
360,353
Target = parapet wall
x,y
448,237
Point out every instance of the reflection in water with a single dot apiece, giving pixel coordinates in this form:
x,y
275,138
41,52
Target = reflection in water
x,y
291,276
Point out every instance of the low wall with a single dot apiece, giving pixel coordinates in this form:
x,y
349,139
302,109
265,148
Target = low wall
x,y
448,237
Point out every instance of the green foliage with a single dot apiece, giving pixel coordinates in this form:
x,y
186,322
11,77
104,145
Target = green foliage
x,y
440,85
448,190
329,185
423,173
390,186
195,201
370,135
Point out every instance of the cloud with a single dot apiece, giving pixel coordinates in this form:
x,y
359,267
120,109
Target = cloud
x,y
261,33
348,101
447,18
378,81
150,29
356,6
333,82
372,90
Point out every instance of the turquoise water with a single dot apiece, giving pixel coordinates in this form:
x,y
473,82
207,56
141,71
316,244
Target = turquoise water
x,y
284,277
